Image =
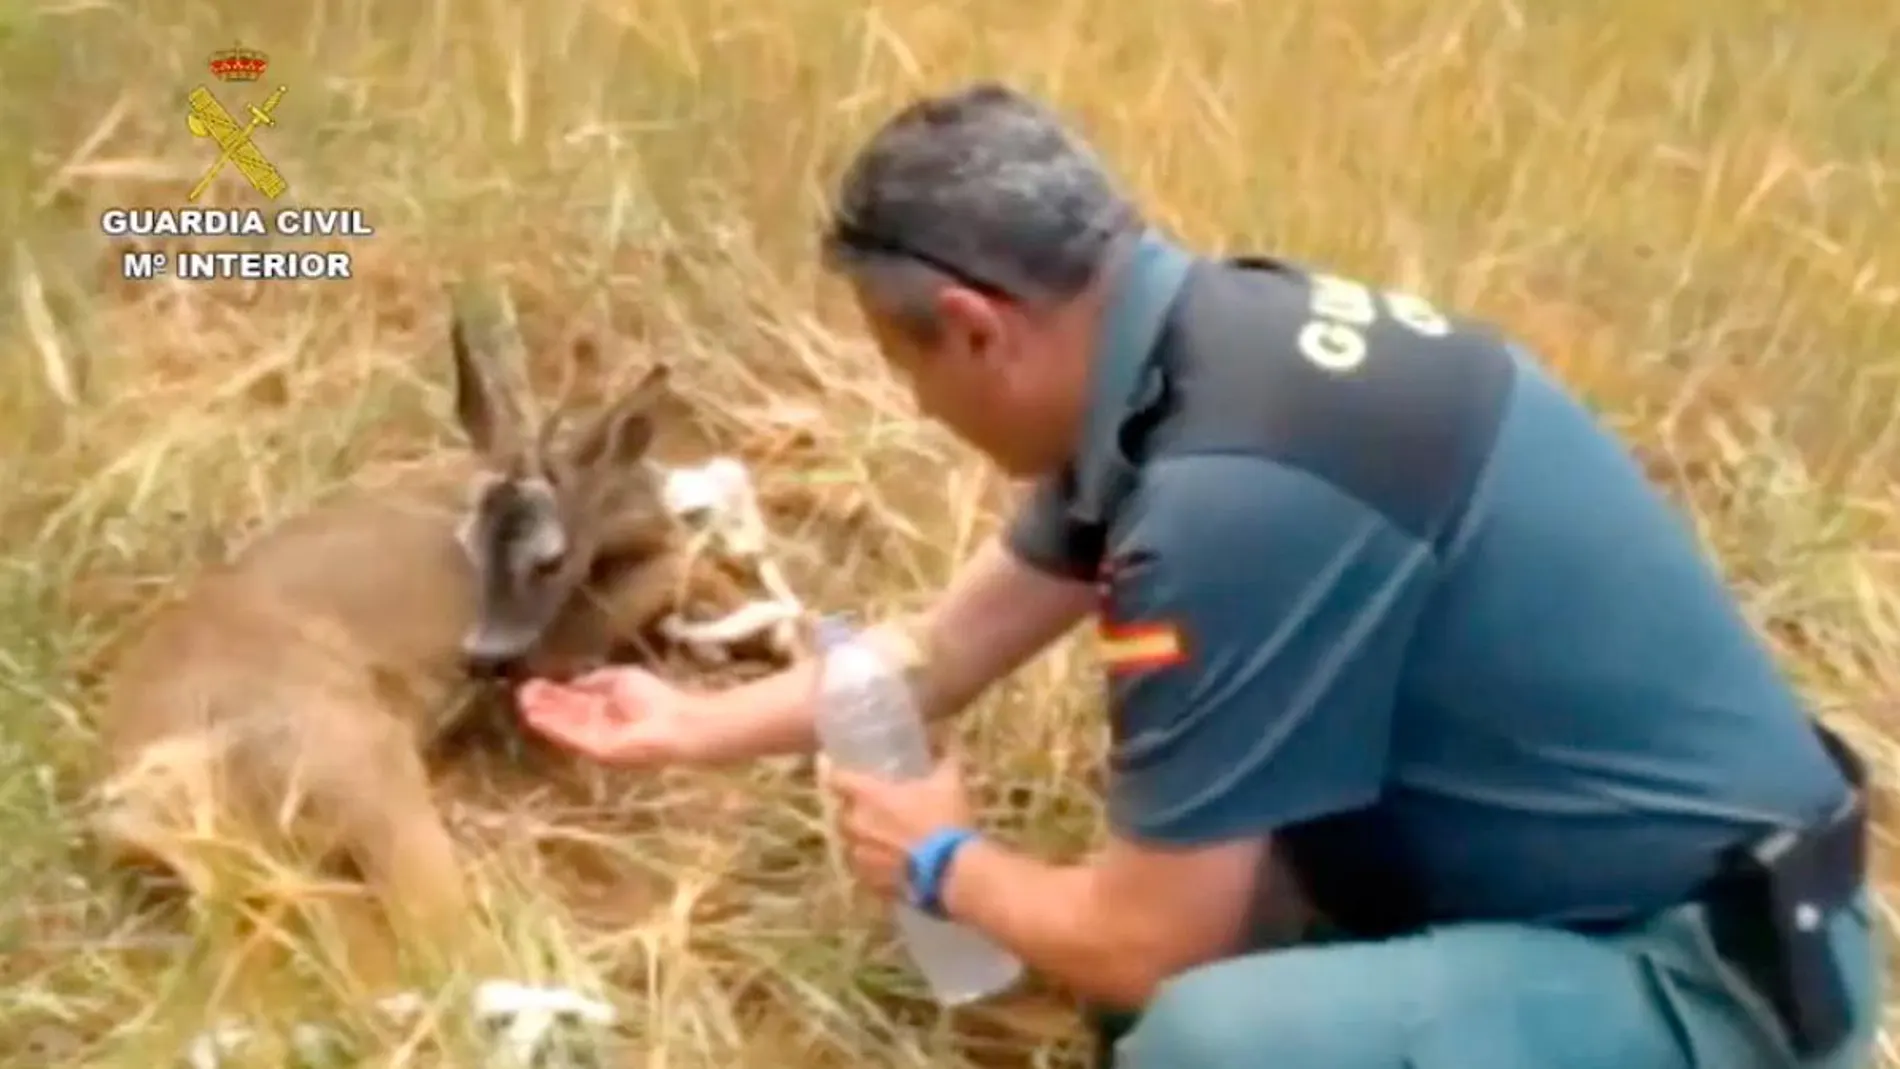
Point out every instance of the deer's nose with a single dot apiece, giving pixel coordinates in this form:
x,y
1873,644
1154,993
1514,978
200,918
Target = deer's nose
x,y
487,664
489,660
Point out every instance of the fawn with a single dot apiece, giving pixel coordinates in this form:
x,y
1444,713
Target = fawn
x,y
285,703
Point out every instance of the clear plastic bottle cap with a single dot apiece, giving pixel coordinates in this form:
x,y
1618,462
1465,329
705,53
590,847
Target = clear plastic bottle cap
x,y
832,631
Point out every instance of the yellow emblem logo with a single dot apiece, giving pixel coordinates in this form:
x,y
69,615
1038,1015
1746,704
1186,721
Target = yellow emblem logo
x,y
209,119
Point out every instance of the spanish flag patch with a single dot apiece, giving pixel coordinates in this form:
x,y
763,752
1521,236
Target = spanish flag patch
x,y
1140,647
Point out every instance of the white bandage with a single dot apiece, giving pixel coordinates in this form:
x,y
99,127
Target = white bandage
x,y
718,497
529,1017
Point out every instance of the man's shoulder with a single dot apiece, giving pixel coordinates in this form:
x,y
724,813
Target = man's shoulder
x,y
1196,488
1374,393
1217,519
1202,488
1247,601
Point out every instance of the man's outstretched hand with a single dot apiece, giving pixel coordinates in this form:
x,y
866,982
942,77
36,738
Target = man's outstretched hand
x,y
618,716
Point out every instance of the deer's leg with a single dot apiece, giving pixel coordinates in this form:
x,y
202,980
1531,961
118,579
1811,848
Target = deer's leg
x,y
713,611
382,814
393,830
412,871
219,814
191,807
627,610
648,593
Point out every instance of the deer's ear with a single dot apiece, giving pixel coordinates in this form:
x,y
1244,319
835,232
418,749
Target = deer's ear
x,y
623,433
485,417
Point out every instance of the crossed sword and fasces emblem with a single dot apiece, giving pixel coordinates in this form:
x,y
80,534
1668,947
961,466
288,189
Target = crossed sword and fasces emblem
x,y
209,119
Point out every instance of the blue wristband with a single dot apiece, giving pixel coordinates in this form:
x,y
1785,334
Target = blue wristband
x,y
928,864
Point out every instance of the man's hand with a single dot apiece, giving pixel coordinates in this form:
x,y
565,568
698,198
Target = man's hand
x,y
995,614
882,819
619,716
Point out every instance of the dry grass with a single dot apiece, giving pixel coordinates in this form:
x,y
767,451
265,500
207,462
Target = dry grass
x,y
1688,208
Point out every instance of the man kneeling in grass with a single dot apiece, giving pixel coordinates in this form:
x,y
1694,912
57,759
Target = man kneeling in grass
x,y
1383,608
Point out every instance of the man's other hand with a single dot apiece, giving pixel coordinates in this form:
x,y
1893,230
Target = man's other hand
x,y
882,819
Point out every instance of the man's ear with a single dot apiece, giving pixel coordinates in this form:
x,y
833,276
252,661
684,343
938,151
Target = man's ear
x,y
972,321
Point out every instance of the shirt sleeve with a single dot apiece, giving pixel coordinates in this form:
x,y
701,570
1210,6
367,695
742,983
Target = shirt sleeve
x,y
1042,535
1253,640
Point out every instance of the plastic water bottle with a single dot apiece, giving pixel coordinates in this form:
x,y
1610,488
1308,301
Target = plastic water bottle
x,y
868,720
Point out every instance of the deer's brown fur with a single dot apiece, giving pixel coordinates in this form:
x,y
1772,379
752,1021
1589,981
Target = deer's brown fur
x,y
282,706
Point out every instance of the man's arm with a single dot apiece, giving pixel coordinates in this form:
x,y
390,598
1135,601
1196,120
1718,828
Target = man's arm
x,y
1253,643
995,614
1114,928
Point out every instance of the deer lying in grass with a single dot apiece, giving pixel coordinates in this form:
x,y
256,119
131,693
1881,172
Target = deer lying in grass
x,y
285,703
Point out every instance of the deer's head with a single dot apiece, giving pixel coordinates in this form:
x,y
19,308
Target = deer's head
x,y
560,514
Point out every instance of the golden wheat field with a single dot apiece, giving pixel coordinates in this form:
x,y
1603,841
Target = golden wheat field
x,y
1691,209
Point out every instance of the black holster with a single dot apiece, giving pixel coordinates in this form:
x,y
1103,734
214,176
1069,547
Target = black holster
x,y
1770,906
1105,1028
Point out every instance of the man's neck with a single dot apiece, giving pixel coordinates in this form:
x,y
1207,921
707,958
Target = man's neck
x,y
1074,331
1084,322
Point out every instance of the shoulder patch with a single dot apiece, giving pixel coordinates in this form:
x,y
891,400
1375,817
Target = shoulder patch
x,y
1133,646
1139,647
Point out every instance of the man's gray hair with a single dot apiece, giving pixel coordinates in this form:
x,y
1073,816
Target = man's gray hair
x,y
983,187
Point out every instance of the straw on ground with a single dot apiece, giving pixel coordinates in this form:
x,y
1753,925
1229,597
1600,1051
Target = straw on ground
x,y
1687,208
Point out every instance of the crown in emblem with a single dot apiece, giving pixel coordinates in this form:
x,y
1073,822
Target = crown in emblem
x,y
239,64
